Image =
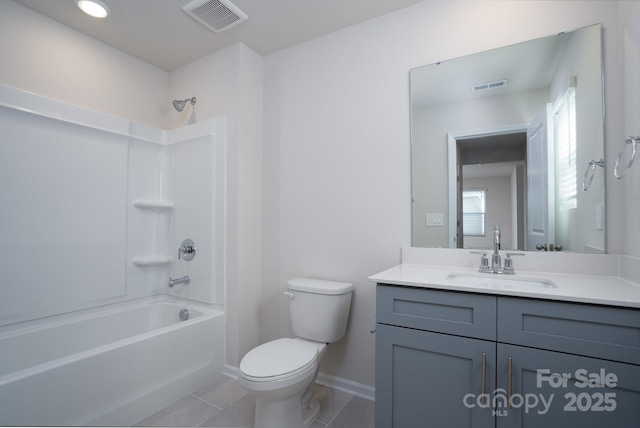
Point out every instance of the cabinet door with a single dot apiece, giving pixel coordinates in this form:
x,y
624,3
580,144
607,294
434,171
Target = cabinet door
x,y
552,389
426,379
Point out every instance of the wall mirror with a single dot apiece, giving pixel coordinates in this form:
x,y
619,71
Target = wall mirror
x,y
512,137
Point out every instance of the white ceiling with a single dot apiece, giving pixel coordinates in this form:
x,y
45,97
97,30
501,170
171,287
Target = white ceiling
x,y
161,33
525,66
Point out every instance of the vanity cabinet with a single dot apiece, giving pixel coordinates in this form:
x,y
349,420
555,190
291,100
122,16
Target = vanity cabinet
x,y
453,359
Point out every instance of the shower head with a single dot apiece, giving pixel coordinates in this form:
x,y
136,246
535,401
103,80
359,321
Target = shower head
x,y
179,104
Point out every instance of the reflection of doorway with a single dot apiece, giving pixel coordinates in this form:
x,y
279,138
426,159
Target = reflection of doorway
x,y
504,184
494,159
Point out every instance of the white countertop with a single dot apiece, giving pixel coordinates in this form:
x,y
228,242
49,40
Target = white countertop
x,y
597,289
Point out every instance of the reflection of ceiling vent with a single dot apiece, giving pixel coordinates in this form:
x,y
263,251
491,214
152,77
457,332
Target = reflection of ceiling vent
x,y
217,15
488,85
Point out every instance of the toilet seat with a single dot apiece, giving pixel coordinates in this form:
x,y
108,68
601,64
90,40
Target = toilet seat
x,y
278,359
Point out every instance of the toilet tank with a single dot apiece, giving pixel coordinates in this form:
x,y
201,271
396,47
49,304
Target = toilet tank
x,y
319,308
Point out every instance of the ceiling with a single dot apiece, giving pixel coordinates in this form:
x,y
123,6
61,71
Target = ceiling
x,y
161,33
524,66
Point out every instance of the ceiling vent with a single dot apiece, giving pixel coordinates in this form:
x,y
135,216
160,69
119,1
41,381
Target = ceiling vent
x,y
217,15
489,85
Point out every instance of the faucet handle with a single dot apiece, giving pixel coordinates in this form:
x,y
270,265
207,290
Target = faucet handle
x,y
484,261
508,262
515,254
187,250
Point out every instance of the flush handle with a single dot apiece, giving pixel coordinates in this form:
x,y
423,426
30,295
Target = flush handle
x,y
289,295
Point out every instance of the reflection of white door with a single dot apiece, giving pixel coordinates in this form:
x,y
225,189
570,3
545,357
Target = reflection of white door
x,y
459,223
540,206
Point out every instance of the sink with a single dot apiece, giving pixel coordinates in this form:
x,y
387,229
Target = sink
x,y
498,281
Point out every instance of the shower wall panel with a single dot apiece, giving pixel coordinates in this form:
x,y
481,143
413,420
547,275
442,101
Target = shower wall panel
x,y
93,208
149,231
200,201
63,217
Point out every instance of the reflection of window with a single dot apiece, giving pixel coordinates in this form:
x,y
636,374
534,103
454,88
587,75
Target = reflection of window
x,y
565,139
473,212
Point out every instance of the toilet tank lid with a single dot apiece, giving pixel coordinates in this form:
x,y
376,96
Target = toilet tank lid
x,y
319,286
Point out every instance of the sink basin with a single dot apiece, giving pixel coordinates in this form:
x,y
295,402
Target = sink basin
x,y
504,282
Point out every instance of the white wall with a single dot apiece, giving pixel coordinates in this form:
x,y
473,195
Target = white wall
x,y
40,55
336,149
229,82
630,55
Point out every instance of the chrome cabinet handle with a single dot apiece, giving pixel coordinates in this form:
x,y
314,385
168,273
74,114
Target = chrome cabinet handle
x,y
484,378
510,380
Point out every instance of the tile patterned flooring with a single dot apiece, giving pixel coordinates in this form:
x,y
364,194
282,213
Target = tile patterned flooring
x,y
224,403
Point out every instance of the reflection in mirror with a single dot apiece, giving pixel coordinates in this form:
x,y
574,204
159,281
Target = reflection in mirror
x,y
503,138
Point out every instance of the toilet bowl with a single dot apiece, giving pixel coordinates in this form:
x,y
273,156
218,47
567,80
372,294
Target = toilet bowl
x,y
278,373
281,373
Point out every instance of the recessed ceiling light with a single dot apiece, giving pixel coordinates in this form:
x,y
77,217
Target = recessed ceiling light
x,y
94,8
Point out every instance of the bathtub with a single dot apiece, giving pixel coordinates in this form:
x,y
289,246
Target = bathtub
x,y
111,365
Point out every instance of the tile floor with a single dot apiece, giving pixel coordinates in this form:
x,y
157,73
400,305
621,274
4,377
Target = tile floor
x,y
224,403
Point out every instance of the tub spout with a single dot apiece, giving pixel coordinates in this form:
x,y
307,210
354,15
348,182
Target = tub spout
x,y
184,280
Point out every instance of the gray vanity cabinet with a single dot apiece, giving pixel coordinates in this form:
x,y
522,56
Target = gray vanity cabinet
x,y
432,349
438,352
556,404
422,376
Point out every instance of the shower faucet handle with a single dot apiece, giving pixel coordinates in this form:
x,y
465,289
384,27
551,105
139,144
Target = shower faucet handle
x,y
187,250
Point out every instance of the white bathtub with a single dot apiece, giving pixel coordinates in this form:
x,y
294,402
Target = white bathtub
x,y
111,365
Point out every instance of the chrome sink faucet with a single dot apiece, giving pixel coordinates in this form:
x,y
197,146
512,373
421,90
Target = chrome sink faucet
x,y
496,260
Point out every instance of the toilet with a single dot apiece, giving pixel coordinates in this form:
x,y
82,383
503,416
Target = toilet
x,y
281,373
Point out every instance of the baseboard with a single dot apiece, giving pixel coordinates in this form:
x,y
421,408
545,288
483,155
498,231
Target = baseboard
x,y
338,383
230,371
345,385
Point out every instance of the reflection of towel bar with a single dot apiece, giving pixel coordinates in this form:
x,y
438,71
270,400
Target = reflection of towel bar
x,y
633,142
588,178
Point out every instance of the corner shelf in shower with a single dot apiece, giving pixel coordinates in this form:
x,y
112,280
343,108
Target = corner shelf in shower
x,y
155,260
153,204
159,206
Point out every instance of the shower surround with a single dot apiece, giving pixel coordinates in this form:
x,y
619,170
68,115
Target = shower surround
x,y
94,208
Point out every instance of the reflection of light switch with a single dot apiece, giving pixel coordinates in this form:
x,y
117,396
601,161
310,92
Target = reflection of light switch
x,y
434,220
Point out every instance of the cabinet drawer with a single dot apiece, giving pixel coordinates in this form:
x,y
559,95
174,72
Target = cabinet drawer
x,y
594,331
462,314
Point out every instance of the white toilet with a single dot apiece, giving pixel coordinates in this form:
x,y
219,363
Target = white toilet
x,y
281,373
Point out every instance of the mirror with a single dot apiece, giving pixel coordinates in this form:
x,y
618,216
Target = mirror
x,y
511,137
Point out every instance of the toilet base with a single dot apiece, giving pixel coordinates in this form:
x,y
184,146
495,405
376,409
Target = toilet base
x,y
279,414
285,413
310,411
